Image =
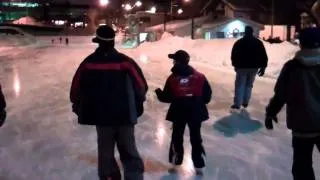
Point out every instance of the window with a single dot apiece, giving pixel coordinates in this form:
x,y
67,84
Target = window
x,y
221,35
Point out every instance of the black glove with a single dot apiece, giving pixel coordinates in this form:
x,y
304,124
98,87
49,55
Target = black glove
x,y
158,91
261,71
269,123
3,115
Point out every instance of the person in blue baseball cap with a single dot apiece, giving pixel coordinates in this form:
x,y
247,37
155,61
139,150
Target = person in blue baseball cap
x,y
298,87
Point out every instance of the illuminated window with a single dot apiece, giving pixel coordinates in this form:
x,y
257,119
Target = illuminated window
x,y
20,4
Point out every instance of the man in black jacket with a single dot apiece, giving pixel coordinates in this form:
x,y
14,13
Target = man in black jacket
x,y
108,91
188,91
248,57
298,87
3,113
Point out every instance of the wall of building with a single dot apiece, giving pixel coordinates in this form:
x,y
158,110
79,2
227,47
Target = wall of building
x,y
228,29
280,31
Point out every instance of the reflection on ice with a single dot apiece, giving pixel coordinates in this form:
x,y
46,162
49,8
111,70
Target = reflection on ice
x,y
143,58
187,162
16,81
160,133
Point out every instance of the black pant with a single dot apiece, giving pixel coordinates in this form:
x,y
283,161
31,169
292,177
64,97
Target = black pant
x,y
176,148
123,136
302,157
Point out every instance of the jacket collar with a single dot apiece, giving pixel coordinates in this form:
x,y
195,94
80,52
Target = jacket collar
x,y
309,57
182,70
105,51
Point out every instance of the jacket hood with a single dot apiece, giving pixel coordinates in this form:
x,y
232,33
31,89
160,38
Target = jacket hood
x,y
182,70
309,57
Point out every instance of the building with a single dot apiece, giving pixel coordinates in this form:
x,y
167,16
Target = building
x,y
11,10
180,28
229,28
248,9
48,13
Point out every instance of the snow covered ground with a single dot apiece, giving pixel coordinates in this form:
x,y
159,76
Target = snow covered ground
x,y
42,141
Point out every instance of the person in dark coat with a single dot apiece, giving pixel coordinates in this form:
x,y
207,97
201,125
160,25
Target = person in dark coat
x,y
67,41
188,92
298,87
3,113
249,58
108,91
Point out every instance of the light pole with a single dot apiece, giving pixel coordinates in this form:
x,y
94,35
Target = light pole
x,y
103,5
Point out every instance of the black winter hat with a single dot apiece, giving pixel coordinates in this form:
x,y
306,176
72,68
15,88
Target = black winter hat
x,y
104,34
180,56
310,38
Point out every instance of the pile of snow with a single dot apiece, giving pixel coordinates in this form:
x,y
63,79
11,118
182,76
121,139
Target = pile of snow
x,y
15,40
216,53
27,21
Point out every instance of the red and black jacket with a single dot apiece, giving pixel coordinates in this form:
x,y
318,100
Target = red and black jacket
x,y
108,89
2,100
188,91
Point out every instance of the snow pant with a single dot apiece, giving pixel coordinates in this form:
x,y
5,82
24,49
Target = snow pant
x,y
243,86
124,138
302,157
176,151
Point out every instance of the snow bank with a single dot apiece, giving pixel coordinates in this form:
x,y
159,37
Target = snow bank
x,y
215,53
27,21
15,40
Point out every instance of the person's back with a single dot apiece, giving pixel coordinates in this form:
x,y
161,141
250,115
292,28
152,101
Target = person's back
x,y
249,52
187,102
298,87
302,96
108,91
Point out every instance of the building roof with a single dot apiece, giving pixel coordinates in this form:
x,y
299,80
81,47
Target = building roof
x,y
224,21
241,4
178,24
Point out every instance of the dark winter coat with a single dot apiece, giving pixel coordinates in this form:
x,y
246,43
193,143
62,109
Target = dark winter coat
x,y
188,91
249,52
2,100
108,89
298,87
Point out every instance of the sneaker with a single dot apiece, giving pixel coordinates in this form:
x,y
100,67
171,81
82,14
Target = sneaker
x,y
199,171
235,107
245,105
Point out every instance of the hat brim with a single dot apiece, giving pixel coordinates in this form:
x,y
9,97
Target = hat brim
x,y
99,40
96,40
171,56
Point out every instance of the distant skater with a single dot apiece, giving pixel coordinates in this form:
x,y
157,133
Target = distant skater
x,y
249,58
67,41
